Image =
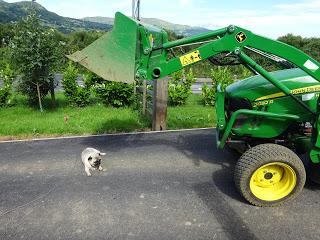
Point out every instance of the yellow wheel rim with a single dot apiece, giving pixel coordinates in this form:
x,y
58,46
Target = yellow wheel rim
x,y
273,181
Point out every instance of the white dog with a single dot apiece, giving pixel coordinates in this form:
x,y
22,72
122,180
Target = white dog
x,y
91,159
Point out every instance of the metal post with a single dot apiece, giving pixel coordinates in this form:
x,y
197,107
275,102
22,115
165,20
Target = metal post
x,y
136,9
135,15
32,6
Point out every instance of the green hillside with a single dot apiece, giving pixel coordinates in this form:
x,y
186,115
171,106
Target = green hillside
x,y
178,29
12,12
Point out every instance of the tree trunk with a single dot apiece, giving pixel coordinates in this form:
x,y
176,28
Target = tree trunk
x,y
39,98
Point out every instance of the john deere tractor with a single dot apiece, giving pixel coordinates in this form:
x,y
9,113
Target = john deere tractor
x,y
272,117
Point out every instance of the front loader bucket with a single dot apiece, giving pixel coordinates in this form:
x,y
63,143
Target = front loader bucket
x,y
113,55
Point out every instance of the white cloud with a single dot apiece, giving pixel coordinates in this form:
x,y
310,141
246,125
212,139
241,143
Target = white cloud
x,y
301,18
185,2
300,6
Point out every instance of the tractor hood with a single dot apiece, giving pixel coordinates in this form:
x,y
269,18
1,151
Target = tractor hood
x,y
258,88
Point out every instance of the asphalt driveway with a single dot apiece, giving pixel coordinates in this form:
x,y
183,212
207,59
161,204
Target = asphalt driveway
x,y
170,185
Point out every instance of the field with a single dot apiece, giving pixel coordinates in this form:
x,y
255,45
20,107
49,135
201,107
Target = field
x,y
22,121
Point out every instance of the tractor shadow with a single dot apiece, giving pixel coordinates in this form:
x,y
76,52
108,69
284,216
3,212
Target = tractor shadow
x,y
232,224
198,146
313,185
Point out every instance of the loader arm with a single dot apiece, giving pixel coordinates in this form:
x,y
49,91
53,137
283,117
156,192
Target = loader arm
x,y
231,40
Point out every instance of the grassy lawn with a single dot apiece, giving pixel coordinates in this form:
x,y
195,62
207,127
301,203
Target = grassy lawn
x,y
193,115
22,121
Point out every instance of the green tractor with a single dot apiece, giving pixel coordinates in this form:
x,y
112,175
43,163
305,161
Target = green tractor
x,y
270,129
272,117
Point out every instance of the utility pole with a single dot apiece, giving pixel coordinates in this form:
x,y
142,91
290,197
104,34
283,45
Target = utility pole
x,y
32,1
135,15
136,9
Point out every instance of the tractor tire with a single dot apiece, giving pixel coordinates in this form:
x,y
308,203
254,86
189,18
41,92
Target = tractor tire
x,y
268,175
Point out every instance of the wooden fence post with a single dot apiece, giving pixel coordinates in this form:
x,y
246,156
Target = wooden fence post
x,y
160,99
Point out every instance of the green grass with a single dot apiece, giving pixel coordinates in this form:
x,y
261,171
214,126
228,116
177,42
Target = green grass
x,y
191,115
22,121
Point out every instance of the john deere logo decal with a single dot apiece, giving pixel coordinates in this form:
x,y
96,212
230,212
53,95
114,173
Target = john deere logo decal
x,y
241,37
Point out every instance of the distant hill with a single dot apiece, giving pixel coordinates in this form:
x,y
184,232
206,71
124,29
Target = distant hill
x,y
184,30
12,12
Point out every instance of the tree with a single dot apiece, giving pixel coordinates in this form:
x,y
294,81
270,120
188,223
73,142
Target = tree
x,y
310,46
34,53
79,40
296,41
7,77
76,95
6,33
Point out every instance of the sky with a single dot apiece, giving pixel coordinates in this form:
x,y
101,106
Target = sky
x,y
271,18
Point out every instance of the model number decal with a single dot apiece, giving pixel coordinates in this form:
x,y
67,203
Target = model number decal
x,y
262,103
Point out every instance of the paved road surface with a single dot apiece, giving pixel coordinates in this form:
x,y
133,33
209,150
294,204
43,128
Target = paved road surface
x,y
173,185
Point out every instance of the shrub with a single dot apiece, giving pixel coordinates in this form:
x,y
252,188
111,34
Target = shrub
x,y
6,96
209,95
179,88
220,76
114,93
76,95
244,72
110,93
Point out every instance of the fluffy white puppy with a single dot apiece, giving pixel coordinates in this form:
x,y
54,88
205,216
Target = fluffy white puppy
x,y
91,159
